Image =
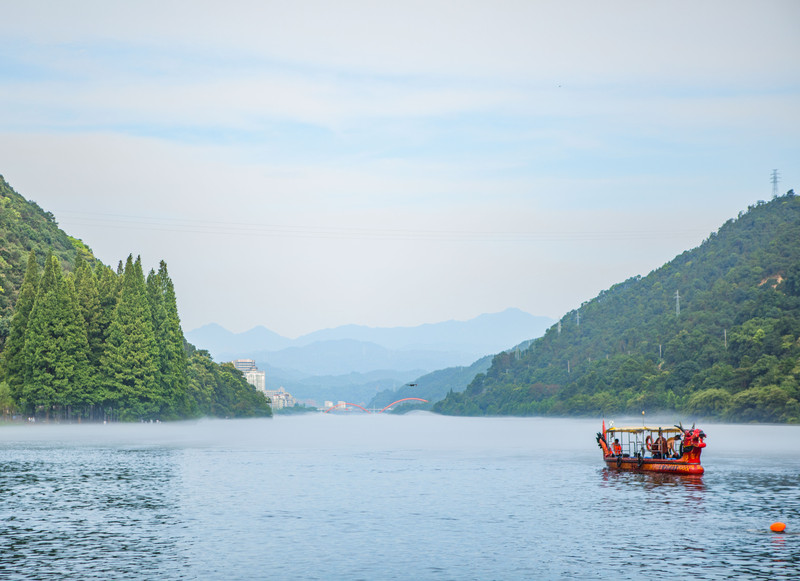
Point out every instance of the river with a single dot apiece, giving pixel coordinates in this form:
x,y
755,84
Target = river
x,y
375,497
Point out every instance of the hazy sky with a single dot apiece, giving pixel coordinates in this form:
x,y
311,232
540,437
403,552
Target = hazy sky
x,y
303,165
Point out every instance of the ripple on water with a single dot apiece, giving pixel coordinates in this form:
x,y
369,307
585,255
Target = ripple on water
x,y
419,497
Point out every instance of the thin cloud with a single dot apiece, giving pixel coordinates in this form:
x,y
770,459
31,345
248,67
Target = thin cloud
x,y
395,163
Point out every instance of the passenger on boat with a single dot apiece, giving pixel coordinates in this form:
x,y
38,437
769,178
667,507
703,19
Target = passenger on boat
x,y
671,451
676,450
617,447
659,447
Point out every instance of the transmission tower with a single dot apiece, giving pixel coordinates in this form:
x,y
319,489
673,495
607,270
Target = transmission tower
x,y
775,178
677,303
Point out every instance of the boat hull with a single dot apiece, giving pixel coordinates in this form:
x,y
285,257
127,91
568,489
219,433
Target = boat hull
x,y
653,465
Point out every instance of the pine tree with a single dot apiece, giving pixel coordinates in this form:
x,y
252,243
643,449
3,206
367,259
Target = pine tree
x,y
89,301
13,360
108,284
173,362
39,359
81,384
130,360
56,349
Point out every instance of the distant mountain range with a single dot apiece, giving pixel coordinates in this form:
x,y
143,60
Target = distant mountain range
x,y
358,361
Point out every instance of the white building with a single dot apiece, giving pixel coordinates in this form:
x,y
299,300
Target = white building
x,y
251,373
280,398
257,378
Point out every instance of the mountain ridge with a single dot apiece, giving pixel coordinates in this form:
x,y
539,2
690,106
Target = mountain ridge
x,y
318,365
517,323
451,343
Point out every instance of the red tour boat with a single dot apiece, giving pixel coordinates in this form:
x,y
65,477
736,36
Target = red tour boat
x,y
652,449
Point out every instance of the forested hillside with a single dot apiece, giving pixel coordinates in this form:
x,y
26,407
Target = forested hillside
x,y
24,226
82,341
714,333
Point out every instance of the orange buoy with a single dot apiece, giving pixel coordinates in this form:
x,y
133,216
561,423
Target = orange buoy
x,y
777,527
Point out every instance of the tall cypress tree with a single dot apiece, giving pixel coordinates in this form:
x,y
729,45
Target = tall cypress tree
x,y
91,311
173,362
81,385
13,360
108,284
56,349
130,360
156,301
38,388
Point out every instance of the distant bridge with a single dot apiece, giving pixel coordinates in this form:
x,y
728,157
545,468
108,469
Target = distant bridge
x,y
345,405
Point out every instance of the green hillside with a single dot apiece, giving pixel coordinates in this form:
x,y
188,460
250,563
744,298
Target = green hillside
x,y
24,226
714,333
79,340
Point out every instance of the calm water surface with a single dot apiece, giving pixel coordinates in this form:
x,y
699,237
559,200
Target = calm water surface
x,y
387,497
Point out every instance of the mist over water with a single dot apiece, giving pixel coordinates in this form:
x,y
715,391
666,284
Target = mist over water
x,y
387,497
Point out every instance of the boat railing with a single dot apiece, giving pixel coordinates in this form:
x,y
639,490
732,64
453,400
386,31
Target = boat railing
x,y
645,442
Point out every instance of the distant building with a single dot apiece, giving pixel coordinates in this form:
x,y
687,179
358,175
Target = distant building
x,y
280,398
245,365
251,373
257,378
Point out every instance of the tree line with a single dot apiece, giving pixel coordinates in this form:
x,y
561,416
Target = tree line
x,y
98,344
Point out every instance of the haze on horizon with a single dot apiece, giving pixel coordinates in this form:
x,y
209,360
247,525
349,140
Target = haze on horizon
x,y
309,165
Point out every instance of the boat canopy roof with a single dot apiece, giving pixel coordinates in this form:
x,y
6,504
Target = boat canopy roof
x,y
639,430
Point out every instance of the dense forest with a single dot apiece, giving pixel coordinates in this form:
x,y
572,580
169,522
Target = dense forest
x,y
715,333
81,341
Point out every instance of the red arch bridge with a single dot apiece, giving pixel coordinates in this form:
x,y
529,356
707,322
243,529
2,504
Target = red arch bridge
x,y
346,405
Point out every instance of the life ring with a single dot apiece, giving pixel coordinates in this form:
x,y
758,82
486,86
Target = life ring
x,y
648,441
619,461
639,460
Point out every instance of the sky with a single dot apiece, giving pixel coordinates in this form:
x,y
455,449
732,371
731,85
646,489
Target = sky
x,y
305,165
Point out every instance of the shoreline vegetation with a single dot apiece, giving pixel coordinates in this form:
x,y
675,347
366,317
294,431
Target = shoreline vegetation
x,y
97,345
83,342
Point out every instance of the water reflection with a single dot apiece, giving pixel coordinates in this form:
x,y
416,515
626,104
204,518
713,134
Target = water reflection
x,y
653,480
